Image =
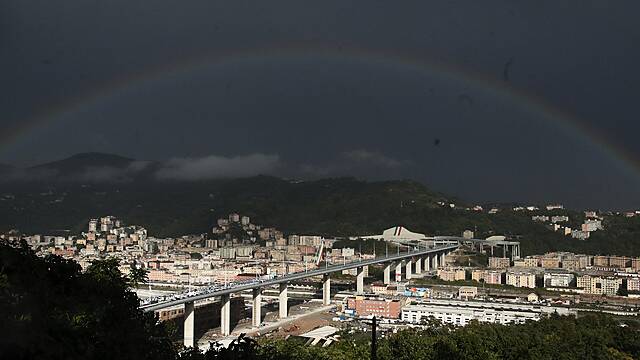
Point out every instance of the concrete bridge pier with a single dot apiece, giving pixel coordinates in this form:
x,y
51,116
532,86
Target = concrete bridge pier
x,y
442,255
435,261
418,266
256,314
189,322
387,274
225,315
399,271
408,270
427,263
360,281
283,301
326,289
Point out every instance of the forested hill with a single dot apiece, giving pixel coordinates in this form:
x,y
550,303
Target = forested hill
x,y
343,206
331,207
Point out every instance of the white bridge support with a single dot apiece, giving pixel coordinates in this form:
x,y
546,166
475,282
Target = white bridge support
x,y
189,323
256,314
387,273
433,259
283,301
225,315
326,289
399,271
360,281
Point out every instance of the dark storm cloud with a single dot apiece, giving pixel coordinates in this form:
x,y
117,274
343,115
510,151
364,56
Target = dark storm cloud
x,y
373,158
112,174
331,115
215,167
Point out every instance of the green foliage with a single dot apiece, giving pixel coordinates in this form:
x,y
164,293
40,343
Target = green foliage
x,y
590,337
50,309
138,275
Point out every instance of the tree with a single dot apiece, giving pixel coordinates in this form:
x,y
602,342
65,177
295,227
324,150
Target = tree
x,y
50,309
138,275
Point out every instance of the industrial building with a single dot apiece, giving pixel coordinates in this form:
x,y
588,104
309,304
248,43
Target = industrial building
x,y
460,313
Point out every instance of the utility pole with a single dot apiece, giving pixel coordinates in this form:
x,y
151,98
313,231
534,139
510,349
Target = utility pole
x,y
374,345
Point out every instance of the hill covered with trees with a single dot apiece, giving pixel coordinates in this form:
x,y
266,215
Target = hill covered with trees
x,y
332,207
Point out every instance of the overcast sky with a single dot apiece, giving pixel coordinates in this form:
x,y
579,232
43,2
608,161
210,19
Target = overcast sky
x,y
448,93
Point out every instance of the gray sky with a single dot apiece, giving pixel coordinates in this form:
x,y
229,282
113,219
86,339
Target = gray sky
x,y
366,88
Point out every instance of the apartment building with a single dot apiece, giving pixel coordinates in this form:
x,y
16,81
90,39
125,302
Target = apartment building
x,y
619,261
558,279
488,276
633,284
452,274
499,262
550,262
599,285
521,279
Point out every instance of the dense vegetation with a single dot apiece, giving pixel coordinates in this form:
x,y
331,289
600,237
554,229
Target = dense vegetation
x,y
592,337
332,207
49,309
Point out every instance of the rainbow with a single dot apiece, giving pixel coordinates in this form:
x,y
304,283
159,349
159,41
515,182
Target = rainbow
x,y
529,102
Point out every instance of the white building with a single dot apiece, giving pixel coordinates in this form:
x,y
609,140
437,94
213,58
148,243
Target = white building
x,y
397,233
558,279
592,225
580,235
460,313
540,218
559,218
555,207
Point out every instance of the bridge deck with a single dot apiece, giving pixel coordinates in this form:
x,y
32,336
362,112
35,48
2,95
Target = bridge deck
x,y
297,276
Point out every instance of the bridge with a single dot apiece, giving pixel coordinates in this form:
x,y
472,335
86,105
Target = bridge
x,y
413,261
482,245
402,235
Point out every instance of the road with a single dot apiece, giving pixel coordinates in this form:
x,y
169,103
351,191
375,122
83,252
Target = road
x,y
298,276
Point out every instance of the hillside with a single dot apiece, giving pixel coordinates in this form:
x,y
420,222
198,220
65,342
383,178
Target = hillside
x,y
330,207
334,206
79,162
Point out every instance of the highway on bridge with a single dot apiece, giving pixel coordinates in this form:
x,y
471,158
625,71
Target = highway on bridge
x,y
298,276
